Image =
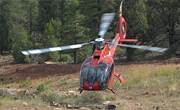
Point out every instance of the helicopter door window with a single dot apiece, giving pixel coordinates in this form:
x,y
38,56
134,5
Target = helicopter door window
x,y
83,75
110,69
102,77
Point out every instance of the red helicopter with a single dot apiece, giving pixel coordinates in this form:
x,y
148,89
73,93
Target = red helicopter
x,y
98,71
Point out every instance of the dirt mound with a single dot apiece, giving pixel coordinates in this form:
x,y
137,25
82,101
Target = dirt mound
x,y
20,72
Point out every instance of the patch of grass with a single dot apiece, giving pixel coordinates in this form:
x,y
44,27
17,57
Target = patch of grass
x,y
150,84
41,88
0,103
49,81
63,85
17,69
67,77
111,98
90,97
12,79
52,96
2,79
26,83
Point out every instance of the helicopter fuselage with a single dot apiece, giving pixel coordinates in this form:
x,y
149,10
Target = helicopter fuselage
x,y
97,72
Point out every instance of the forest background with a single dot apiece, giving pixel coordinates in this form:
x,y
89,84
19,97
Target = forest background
x,y
31,24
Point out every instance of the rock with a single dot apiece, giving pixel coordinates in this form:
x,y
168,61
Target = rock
x,y
54,104
84,108
32,96
110,107
6,92
73,93
138,104
106,102
24,104
68,106
15,98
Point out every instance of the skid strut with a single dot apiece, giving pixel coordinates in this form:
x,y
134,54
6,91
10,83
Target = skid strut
x,y
121,81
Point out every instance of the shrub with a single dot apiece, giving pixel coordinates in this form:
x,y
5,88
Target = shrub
x,y
17,69
41,88
0,103
67,77
111,98
90,97
12,79
66,57
25,84
52,96
27,59
23,42
2,79
81,57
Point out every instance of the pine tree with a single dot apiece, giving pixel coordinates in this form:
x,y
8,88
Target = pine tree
x,y
50,38
47,10
23,42
134,12
169,15
5,41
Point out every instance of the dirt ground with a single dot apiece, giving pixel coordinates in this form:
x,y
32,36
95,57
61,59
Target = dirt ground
x,y
20,72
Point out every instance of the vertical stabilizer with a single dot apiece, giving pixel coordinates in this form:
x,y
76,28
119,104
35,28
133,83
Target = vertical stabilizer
x,y
120,10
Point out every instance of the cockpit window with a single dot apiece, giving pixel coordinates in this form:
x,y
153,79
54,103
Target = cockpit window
x,y
94,73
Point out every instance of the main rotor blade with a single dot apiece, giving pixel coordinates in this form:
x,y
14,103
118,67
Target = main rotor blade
x,y
105,22
53,49
157,49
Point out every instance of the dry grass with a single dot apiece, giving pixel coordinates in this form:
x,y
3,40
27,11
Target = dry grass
x,y
154,86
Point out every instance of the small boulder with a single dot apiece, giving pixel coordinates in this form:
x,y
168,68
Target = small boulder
x,y
25,104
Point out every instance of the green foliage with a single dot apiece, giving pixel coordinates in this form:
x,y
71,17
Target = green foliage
x,y
134,12
27,59
167,17
12,79
90,97
26,83
46,12
66,57
22,43
49,38
52,96
41,88
17,69
111,98
67,77
81,57
5,41
0,103
2,79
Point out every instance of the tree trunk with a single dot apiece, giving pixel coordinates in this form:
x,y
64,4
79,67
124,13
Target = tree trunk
x,y
74,57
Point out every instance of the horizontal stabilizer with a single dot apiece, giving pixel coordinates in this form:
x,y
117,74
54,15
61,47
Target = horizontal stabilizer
x,y
128,40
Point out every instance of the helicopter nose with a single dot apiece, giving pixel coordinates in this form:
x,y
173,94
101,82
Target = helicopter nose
x,y
94,87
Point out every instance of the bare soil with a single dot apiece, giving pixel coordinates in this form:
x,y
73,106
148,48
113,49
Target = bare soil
x,y
20,72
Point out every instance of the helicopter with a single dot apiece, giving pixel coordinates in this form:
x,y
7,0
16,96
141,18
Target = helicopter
x,y
98,71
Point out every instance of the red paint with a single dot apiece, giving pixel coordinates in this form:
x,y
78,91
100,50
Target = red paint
x,y
106,54
94,87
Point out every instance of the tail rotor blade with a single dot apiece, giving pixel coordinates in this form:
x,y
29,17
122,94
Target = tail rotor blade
x,y
105,22
53,49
